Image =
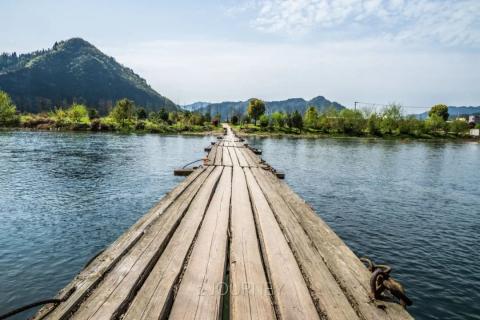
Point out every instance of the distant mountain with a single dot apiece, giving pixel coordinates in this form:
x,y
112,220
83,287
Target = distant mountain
x,y
229,108
73,70
195,106
454,112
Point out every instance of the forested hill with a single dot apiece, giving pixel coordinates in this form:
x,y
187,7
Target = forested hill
x,y
73,70
228,108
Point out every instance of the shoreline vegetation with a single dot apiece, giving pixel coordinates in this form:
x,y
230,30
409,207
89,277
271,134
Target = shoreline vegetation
x,y
389,123
126,117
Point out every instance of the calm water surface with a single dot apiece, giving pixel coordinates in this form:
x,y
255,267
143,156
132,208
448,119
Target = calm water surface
x,y
415,206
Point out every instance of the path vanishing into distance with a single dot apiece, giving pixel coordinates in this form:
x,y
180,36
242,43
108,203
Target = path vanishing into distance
x,y
232,240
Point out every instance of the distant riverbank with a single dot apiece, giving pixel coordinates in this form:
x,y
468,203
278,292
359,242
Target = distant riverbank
x,y
166,130
257,131
246,132
125,117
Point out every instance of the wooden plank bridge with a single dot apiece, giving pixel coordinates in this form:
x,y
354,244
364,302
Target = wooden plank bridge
x,y
230,241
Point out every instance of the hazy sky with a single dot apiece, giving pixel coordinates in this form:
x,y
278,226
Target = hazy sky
x,y
415,52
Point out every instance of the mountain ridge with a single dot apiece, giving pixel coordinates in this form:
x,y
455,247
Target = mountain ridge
x,y
227,109
74,71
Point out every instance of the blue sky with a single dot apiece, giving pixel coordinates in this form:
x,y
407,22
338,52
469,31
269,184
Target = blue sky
x,y
414,52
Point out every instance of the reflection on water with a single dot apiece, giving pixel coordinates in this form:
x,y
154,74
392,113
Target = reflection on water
x,y
414,205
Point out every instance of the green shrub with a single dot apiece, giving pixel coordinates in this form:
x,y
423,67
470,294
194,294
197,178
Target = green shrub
x,y
8,111
141,114
353,121
78,113
458,127
390,119
373,124
123,113
34,121
278,119
310,119
435,124
264,120
411,126
296,120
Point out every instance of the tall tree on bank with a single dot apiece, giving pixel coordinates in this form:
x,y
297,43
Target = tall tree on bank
x,y
124,110
440,110
311,117
256,108
297,120
8,111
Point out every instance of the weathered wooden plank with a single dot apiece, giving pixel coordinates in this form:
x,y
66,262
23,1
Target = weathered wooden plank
x,y
212,154
121,283
249,290
233,156
241,159
344,265
219,156
252,156
327,294
155,296
248,160
247,155
290,291
226,160
96,270
201,289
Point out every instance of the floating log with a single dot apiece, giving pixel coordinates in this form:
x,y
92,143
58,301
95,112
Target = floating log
x,y
183,172
280,174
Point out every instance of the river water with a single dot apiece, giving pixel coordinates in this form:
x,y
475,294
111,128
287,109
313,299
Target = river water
x,y
413,205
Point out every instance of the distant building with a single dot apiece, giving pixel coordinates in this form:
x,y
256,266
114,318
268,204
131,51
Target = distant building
x,y
475,132
474,119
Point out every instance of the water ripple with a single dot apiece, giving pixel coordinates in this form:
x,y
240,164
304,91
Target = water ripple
x,y
415,206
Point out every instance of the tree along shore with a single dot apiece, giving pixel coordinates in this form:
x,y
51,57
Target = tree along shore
x,y
124,117
390,122
127,117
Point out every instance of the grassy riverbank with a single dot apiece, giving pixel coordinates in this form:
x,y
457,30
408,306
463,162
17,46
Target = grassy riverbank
x,y
309,133
125,116
48,122
389,123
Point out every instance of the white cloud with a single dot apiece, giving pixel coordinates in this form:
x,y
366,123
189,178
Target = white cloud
x,y
371,71
447,22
